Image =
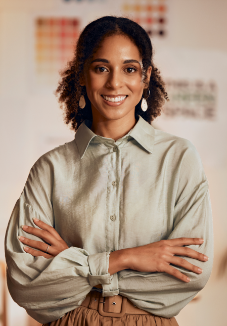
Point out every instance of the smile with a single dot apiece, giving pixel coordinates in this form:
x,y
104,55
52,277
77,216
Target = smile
x,y
114,99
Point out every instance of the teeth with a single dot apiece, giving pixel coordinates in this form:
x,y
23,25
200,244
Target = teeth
x,y
114,99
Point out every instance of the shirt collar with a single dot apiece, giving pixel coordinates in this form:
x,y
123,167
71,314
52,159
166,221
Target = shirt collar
x,y
142,132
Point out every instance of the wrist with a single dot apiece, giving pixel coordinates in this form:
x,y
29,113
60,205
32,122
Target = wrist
x,y
125,258
117,261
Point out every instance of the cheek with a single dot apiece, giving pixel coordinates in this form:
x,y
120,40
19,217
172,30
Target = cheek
x,y
96,79
136,85
92,83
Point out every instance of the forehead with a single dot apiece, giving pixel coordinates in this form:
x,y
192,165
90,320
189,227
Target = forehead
x,y
117,47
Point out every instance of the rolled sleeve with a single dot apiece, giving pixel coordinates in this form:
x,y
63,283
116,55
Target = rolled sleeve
x,y
99,265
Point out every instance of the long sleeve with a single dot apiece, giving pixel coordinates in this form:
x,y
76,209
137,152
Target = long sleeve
x,y
161,293
103,195
47,288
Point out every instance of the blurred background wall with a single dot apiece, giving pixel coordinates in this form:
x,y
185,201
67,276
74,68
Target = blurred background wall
x,y
37,38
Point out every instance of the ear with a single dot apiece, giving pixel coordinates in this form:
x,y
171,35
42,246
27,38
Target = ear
x,y
149,70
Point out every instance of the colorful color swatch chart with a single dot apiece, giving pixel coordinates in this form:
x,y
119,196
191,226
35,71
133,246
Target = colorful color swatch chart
x,y
150,14
54,46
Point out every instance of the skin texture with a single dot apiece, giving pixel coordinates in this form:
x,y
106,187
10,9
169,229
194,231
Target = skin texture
x,y
112,76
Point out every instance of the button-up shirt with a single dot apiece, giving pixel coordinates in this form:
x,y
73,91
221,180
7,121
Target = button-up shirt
x,y
103,195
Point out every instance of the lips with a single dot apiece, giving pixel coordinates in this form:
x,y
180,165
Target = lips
x,y
114,99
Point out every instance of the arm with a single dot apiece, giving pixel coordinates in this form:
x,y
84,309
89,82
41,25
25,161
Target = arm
x,y
47,288
161,293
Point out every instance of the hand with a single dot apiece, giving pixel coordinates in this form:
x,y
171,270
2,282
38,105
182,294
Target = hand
x,y
54,243
157,257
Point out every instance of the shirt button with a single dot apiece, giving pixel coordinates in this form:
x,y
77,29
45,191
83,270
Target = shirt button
x,y
115,149
114,183
112,217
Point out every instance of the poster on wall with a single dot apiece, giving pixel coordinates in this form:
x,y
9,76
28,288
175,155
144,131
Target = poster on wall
x,y
55,39
152,15
196,85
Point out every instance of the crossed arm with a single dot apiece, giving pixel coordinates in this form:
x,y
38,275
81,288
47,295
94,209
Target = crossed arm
x,y
153,277
154,257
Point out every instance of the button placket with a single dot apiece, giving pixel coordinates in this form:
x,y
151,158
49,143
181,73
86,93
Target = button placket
x,y
114,180
111,198
117,197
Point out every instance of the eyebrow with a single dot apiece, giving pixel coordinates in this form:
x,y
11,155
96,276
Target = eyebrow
x,y
106,61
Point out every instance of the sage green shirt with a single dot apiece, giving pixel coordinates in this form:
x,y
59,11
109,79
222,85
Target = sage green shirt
x,y
103,195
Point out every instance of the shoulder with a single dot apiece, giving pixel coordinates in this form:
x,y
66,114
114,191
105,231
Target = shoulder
x,y
166,139
177,147
181,153
182,162
60,157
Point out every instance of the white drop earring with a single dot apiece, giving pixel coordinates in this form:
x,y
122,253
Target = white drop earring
x,y
82,102
144,105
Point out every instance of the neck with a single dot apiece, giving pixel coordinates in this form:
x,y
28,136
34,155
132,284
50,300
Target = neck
x,y
113,129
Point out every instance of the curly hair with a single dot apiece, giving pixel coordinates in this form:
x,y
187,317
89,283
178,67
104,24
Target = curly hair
x,y
69,88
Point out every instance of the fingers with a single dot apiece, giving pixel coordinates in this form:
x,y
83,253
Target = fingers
x,y
185,264
47,227
184,242
36,244
188,252
37,253
173,271
42,234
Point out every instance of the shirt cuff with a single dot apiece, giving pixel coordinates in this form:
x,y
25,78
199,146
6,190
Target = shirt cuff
x,y
111,289
98,266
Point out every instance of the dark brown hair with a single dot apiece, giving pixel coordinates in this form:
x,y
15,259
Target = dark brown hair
x,y
69,88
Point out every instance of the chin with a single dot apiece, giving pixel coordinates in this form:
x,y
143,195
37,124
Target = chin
x,y
115,115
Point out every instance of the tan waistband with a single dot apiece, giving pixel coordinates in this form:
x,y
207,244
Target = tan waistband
x,y
115,306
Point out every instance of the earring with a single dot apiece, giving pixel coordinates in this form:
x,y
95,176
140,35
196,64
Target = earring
x,y
82,102
144,105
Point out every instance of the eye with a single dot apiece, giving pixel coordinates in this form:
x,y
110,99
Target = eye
x,y
131,70
100,69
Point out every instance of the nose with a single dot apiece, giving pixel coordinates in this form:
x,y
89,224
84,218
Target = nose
x,y
115,80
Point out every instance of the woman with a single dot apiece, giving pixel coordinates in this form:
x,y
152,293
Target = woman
x,y
118,221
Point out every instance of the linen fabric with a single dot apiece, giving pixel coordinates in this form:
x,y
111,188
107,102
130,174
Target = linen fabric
x,y
103,195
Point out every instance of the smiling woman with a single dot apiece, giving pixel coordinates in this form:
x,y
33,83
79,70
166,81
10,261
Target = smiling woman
x,y
113,51
114,85
114,227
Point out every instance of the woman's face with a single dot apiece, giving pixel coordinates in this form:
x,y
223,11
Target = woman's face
x,y
113,79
